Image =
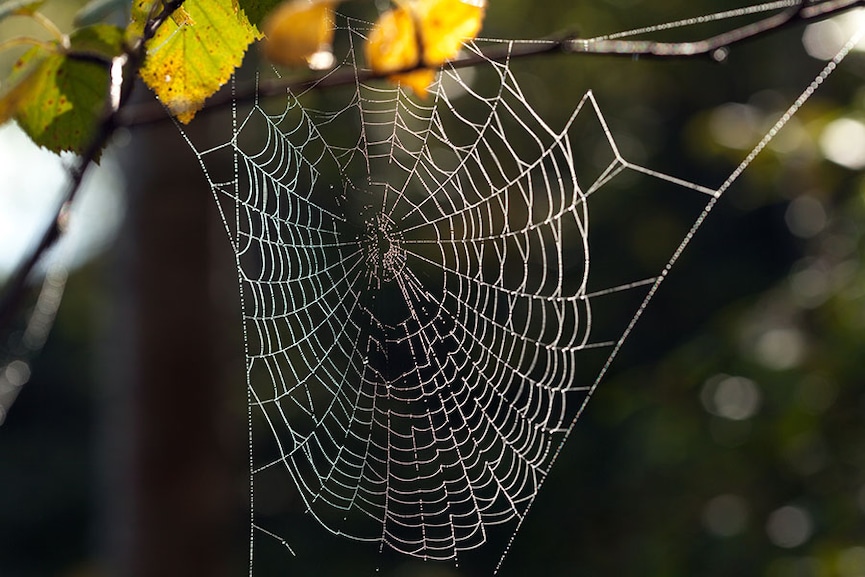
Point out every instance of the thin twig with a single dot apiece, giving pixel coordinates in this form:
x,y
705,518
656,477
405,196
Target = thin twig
x,y
715,47
792,16
133,57
123,115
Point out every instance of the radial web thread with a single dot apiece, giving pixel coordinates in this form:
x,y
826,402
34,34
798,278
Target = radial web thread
x,y
420,286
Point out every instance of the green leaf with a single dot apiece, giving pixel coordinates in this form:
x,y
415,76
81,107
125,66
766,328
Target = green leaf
x,y
102,40
256,10
194,52
96,11
19,7
18,88
65,94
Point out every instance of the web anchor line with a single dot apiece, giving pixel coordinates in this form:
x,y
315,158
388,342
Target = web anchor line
x,y
716,195
426,311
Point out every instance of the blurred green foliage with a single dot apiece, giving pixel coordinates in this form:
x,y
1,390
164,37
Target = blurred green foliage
x,y
729,437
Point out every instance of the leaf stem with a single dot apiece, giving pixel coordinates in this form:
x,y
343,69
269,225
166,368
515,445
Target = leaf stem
x,y
51,27
25,41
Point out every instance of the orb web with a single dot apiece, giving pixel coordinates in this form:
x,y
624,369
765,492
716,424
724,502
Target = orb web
x,y
426,310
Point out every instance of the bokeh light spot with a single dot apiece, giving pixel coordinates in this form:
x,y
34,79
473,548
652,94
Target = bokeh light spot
x,y
780,348
843,142
735,398
789,526
734,125
805,216
823,40
726,515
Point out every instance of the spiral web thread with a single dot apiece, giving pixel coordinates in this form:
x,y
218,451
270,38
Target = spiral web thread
x,y
419,305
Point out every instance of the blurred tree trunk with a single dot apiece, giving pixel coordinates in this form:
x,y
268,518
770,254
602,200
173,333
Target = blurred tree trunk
x,y
173,430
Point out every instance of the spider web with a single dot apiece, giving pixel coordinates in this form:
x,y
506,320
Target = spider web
x,y
426,308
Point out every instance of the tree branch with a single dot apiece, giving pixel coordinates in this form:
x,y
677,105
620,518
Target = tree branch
x,y
118,113
792,16
714,47
123,71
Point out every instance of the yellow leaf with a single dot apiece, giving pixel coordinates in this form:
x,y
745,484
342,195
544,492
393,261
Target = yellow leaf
x,y
300,32
418,80
435,29
194,52
182,18
445,25
392,44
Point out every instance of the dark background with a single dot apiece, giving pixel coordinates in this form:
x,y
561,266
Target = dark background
x,y
126,452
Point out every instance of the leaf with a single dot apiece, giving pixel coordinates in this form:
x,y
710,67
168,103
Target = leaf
x,y
256,10
392,44
19,7
19,87
102,40
445,25
434,28
97,10
300,32
193,53
65,95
